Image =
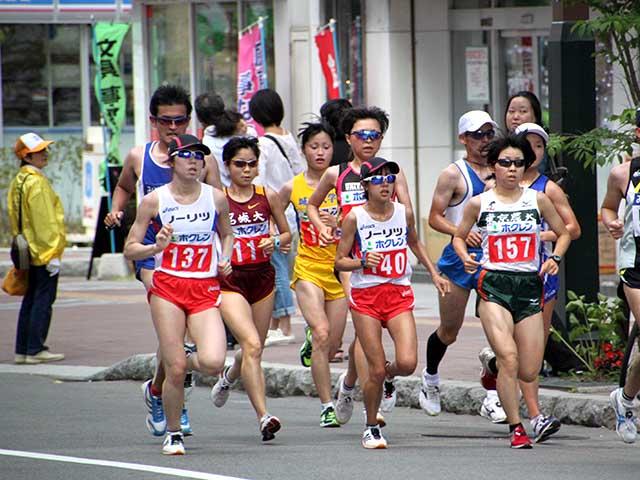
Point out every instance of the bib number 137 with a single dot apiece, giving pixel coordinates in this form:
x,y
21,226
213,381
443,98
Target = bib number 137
x,y
512,248
190,258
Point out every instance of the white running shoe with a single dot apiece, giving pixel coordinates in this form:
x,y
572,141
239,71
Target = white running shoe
x,y
389,396
344,401
429,398
269,425
492,409
155,420
220,391
625,419
372,438
173,444
485,356
277,337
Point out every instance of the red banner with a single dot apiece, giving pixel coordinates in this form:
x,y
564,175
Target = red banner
x,y
252,69
328,59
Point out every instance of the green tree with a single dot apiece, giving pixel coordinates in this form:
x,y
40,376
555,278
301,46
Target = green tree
x,y
617,23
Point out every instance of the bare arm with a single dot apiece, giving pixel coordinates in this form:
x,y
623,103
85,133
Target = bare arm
x,y
224,230
557,225
618,179
133,247
402,192
469,217
419,250
126,186
327,182
212,172
280,219
285,193
559,200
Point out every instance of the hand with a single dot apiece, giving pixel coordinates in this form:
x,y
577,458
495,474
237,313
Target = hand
x,y
372,259
224,266
163,237
550,266
285,248
616,228
441,284
53,267
328,219
325,235
113,219
267,245
470,264
474,239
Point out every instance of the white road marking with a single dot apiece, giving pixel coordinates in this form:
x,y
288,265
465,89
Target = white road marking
x,y
126,466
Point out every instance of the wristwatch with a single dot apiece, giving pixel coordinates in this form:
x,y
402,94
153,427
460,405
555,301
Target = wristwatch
x,y
556,258
363,260
276,242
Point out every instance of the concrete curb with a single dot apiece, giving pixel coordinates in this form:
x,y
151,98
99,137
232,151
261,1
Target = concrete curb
x,y
282,380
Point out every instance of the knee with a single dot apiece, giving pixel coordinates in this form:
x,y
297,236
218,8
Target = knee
x,y
406,365
448,335
252,349
508,363
210,365
528,373
176,370
320,338
377,373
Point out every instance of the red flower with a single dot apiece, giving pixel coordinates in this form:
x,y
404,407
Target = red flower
x,y
607,347
618,363
610,355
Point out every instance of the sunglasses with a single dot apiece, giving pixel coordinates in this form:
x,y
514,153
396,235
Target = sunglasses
x,y
365,135
479,135
242,164
507,162
168,121
380,179
197,154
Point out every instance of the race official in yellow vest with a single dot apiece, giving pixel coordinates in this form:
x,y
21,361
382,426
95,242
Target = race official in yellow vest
x,y
43,227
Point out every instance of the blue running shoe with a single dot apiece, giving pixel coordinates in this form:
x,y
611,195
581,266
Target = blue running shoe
x,y
155,420
185,425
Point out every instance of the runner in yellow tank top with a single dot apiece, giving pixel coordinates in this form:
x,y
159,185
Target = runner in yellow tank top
x,y
319,292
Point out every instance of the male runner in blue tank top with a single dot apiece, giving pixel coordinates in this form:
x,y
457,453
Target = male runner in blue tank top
x,y
146,168
456,185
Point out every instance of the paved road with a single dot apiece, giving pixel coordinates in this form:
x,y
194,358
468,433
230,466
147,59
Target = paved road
x,y
92,422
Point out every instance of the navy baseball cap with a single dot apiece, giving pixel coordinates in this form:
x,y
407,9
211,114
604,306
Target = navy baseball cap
x,y
370,167
187,142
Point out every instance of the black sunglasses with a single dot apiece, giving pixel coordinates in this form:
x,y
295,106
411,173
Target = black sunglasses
x,y
243,163
507,162
168,121
479,135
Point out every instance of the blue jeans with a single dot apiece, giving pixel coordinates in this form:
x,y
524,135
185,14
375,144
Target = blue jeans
x,y
35,312
283,303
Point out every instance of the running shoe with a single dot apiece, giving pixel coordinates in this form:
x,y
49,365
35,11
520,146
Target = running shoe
x,y
492,409
389,396
185,424
173,444
344,401
429,398
306,348
155,419
220,391
380,420
520,439
328,418
625,419
372,438
485,356
189,349
544,427
269,425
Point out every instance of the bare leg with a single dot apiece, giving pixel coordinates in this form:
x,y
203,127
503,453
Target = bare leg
x,y
632,385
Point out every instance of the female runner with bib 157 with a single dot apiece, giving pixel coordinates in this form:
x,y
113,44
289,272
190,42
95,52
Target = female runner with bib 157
x,y
509,218
374,242
192,219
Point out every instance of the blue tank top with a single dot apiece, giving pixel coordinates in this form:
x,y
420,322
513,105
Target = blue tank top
x,y
540,184
152,176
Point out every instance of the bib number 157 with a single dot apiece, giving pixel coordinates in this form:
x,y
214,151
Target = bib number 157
x,y
512,248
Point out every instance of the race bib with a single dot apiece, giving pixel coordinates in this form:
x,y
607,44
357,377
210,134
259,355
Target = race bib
x,y
393,264
512,248
187,258
246,251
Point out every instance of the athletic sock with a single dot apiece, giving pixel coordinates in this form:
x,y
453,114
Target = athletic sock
x,y
435,352
626,398
344,388
432,379
155,392
327,405
514,426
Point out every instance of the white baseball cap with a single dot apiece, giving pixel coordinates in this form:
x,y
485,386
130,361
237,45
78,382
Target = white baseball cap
x,y
472,121
533,128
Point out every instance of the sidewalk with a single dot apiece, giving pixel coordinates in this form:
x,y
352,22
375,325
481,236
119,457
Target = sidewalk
x,y
100,323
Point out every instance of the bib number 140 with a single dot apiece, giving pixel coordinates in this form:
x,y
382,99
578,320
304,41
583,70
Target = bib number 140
x,y
393,265
512,248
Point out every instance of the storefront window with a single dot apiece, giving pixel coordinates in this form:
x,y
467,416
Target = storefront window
x,y
64,48
462,4
169,45
348,16
217,49
471,64
523,3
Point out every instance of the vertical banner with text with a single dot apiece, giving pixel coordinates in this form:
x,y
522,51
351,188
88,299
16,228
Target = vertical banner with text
x,y
252,68
329,60
109,86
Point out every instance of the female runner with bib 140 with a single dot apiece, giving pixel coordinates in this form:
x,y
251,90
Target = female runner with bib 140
x,y
509,218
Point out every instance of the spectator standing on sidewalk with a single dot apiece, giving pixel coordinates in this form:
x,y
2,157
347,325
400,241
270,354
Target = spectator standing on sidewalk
x,y
280,161
36,211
